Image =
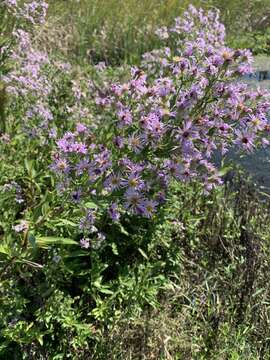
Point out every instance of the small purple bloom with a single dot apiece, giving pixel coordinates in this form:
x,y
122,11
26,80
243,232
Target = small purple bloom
x,y
134,200
76,196
148,208
85,243
81,128
87,222
118,142
23,226
113,182
135,143
245,140
114,212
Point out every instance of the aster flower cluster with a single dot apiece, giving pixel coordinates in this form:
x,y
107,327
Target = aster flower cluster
x,y
165,123
35,81
21,64
27,78
13,189
33,12
18,18
38,81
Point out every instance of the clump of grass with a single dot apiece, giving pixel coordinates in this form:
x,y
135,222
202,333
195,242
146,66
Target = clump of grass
x,y
114,31
215,253
121,31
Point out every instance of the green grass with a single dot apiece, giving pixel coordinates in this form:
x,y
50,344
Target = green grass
x,y
121,31
216,254
111,30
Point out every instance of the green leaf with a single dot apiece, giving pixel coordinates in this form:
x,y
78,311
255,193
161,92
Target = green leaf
x,y
104,290
31,263
91,205
76,253
143,253
28,165
32,240
123,230
65,222
40,339
223,171
5,250
45,208
114,249
50,240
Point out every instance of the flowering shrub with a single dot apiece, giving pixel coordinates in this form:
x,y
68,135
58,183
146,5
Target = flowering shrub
x,y
18,21
33,12
123,153
48,90
16,16
163,124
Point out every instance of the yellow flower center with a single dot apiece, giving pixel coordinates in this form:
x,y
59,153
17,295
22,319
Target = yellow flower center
x,y
133,182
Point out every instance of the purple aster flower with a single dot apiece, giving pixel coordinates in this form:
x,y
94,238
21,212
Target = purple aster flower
x,y
187,133
216,60
245,140
60,166
81,166
23,226
133,200
113,182
114,212
134,181
257,122
76,196
154,126
210,182
187,174
116,89
224,128
125,117
131,167
87,222
64,145
79,148
174,168
118,142
189,48
244,69
163,87
148,208
81,128
85,243
102,161
135,143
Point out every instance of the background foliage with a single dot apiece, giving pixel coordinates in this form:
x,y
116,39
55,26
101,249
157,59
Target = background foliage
x,y
117,31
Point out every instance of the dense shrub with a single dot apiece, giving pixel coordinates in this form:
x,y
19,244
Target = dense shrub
x,y
112,226
165,122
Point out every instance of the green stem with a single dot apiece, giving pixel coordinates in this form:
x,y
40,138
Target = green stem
x,y
2,108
